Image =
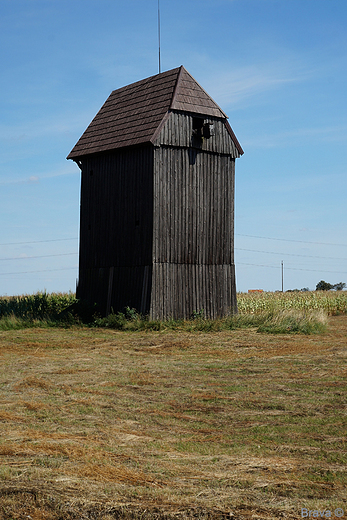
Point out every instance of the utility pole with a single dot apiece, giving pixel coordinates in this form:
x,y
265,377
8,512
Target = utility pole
x,y
282,274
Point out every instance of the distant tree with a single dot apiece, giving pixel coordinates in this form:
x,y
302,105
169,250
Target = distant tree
x,y
324,286
339,286
304,289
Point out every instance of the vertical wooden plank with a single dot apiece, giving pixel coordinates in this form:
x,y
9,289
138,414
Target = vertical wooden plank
x,y
156,219
144,289
179,201
219,203
109,290
170,197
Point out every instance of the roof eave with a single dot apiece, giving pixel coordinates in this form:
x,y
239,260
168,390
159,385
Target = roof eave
x,y
78,156
233,137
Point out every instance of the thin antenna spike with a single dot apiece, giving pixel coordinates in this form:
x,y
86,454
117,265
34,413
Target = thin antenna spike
x,y
159,35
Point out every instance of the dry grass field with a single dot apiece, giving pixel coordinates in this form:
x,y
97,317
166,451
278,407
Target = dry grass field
x,y
103,424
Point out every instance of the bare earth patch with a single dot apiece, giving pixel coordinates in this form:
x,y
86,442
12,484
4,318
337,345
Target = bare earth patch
x,y
103,424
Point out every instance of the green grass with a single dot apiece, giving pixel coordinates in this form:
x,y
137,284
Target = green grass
x,y
276,321
173,420
280,313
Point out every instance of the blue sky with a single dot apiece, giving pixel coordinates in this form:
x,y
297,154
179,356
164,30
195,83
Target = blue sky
x,y
278,68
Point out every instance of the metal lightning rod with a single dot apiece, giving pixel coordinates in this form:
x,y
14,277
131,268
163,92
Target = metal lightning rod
x,y
159,35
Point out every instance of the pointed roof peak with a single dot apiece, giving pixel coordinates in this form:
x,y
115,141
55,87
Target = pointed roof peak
x,y
132,114
189,96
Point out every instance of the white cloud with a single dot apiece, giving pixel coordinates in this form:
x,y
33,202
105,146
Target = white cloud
x,y
231,84
231,88
35,179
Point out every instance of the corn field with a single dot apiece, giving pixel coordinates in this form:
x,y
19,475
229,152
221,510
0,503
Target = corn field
x,y
43,306
332,303
37,306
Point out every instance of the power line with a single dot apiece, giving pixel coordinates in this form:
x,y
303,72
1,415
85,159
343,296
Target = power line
x,y
291,268
289,254
238,263
236,234
41,271
40,256
37,241
289,240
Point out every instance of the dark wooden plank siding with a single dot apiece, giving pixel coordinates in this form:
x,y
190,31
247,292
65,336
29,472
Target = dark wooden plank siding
x,y
193,207
116,228
179,290
178,132
115,288
193,247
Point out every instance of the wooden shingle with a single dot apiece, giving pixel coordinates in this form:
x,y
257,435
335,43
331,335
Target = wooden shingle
x,y
132,115
191,97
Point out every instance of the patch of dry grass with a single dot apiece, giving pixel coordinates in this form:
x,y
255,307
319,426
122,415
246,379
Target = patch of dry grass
x,y
103,424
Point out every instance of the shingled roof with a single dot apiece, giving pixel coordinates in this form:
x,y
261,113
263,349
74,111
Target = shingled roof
x,y
132,114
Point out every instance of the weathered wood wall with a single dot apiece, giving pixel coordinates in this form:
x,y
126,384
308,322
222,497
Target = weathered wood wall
x,y
116,229
178,131
178,290
193,247
193,207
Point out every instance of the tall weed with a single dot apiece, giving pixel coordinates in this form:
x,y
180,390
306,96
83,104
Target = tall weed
x,y
275,321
